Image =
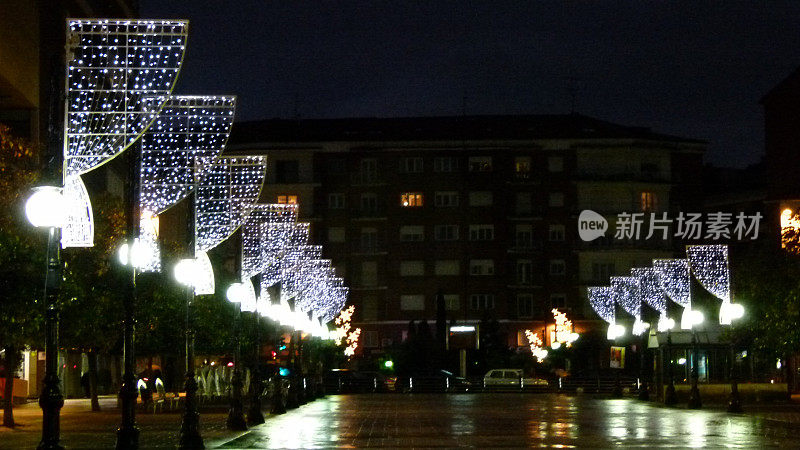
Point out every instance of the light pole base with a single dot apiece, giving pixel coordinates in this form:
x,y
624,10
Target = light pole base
x,y
735,406
127,439
670,397
644,395
694,399
235,420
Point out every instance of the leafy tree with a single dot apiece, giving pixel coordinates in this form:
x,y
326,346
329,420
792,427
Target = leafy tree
x,y
21,259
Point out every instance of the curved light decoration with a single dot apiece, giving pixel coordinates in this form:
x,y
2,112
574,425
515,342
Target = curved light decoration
x,y
709,265
187,128
649,289
249,300
119,74
112,66
227,190
204,278
627,291
252,234
675,280
601,299
78,229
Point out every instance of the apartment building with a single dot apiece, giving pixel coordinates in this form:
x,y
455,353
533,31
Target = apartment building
x,y
479,210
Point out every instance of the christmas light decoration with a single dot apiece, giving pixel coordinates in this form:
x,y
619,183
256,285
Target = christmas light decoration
x,y
649,289
709,265
535,342
674,279
227,190
253,234
119,73
627,294
187,128
562,332
601,299
344,334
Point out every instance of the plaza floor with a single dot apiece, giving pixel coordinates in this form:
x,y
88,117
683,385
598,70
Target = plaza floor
x,y
443,420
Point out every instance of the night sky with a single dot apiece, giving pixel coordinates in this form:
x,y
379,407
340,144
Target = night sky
x,y
695,69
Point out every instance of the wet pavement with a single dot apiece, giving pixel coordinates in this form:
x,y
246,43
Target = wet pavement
x,y
509,420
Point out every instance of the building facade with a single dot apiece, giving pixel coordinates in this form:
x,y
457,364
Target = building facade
x,y
480,212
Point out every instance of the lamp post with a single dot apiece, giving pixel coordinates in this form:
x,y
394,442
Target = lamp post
x,y
670,397
254,414
733,311
44,209
616,331
189,437
694,393
235,420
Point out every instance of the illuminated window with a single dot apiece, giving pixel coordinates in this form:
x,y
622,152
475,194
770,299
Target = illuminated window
x,y
287,199
480,163
648,201
522,167
411,199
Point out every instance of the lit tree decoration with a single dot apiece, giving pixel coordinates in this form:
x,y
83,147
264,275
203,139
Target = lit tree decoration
x,y
188,127
119,74
535,342
344,334
562,332
674,279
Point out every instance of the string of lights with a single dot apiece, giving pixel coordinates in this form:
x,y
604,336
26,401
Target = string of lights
x,y
709,265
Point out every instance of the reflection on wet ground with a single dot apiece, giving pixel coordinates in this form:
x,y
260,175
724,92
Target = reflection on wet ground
x,y
507,420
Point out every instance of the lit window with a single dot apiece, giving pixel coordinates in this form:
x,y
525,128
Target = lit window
x,y
412,233
648,201
481,232
445,199
481,267
480,163
522,167
410,165
445,232
411,199
287,199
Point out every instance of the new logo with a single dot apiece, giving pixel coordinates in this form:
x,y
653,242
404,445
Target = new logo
x,y
591,225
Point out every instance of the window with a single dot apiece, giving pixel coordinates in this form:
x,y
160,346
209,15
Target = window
x,y
412,233
522,167
481,232
336,234
370,339
410,165
481,301
369,308
523,203
412,302
481,267
412,268
336,200
556,233
287,171
445,164
555,164
558,267
369,273
447,267
480,163
452,302
480,198
445,199
647,201
369,240
524,271
602,271
369,202
523,236
368,170
556,199
336,166
524,305
411,199
558,300
287,199
445,232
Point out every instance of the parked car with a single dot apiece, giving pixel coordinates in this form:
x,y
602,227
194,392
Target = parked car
x,y
511,379
433,381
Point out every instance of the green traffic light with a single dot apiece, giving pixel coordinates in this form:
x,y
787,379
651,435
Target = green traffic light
x,y
388,364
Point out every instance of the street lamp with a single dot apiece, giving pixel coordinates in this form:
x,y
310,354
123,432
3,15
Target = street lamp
x,y
616,331
694,318
186,273
728,313
237,294
44,208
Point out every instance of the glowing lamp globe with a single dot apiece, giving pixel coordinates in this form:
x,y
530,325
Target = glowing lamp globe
x,y
138,254
45,207
556,345
235,293
185,272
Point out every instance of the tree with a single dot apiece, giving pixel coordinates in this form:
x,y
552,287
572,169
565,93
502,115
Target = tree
x,y
21,259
